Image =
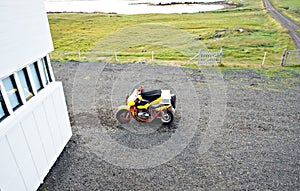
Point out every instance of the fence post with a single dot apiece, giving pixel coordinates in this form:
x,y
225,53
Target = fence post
x,y
263,62
152,55
79,55
283,57
116,57
221,54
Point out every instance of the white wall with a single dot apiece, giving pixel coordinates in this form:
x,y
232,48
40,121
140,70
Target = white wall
x,y
32,139
24,34
33,136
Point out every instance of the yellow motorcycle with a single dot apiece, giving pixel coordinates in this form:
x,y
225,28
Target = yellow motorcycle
x,y
146,106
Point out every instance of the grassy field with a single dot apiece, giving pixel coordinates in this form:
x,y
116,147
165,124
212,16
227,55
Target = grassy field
x,y
290,8
179,37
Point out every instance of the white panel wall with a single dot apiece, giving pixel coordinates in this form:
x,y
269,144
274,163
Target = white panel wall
x,y
32,138
24,34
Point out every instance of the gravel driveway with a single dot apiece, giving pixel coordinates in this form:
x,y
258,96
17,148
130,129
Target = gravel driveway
x,y
257,147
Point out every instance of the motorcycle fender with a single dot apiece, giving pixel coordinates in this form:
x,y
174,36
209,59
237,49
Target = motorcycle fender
x,y
126,107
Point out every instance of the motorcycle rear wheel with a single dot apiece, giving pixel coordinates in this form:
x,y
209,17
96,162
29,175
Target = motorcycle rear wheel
x,y
123,116
167,117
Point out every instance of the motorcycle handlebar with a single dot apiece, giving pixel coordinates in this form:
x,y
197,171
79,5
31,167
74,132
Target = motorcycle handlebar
x,y
140,88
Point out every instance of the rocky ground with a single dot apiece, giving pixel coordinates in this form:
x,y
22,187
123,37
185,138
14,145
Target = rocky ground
x,y
255,145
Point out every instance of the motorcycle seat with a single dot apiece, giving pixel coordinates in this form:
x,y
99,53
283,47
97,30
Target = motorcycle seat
x,y
151,95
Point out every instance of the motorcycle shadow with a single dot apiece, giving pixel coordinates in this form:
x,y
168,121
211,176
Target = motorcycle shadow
x,y
155,126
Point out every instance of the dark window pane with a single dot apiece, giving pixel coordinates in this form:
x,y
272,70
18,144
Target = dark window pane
x,y
26,87
46,68
3,109
12,92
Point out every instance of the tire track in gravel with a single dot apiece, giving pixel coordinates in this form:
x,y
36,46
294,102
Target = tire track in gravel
x,y
289,24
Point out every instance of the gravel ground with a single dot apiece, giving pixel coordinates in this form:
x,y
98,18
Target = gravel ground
x,y
256,148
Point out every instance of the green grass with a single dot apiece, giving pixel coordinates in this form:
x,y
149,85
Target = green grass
x,y
290,8
279,73
174,38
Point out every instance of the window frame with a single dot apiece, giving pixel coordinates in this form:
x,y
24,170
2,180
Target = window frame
x,y
43,72
17,92
4,107
48,68
32,79
28,84
32,73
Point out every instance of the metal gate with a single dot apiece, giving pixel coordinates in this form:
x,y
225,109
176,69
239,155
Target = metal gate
x,y
290,57
206,57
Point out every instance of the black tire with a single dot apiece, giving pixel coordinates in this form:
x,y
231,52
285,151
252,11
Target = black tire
x,y
167,117
123,116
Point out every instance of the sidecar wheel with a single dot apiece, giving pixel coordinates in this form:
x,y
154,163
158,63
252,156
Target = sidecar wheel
x,y
123,116
167,117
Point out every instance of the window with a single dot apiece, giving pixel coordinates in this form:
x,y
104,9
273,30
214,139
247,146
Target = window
x,y
43,71
12,92
46,69
25,83
3,109
36,76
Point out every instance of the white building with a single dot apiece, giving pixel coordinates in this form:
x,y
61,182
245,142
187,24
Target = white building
x,y
34,123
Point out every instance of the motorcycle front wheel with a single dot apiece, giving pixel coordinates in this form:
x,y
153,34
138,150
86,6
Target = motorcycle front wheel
x,y
123,116
167,117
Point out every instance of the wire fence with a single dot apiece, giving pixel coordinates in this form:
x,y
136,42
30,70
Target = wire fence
x,y
116,57
202,57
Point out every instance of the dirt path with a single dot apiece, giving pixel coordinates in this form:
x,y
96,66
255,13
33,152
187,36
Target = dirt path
x,y
256,148
289,24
